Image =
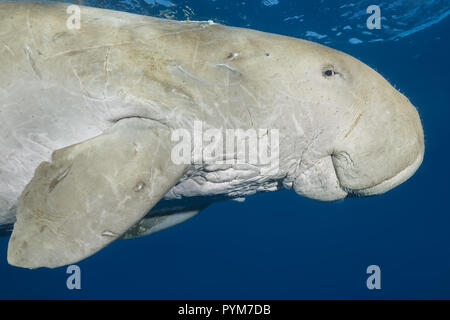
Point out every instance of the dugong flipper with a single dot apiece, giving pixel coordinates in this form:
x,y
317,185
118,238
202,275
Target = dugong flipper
x,y
91,193
158,222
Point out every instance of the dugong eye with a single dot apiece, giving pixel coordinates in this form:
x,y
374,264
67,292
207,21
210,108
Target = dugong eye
x,y
328,73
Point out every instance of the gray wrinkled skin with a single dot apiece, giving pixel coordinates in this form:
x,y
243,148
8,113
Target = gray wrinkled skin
x,y
87,114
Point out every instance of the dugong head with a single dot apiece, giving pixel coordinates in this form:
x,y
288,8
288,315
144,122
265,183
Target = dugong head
x,y
374,139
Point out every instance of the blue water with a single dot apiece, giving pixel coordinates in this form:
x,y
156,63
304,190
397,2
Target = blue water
x,y
279,245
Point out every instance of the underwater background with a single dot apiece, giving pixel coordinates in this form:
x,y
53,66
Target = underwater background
x,y
280,245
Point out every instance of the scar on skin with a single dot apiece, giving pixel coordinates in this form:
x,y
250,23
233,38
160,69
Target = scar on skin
x,y
223,65
106,70
32,62
9,49
355,123
108,233
251,118
58,179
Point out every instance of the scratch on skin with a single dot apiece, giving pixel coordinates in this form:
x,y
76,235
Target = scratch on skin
x,y
190,75
223,65
297,126
86,93
308,146
194,56
106,70
355,123
31,61
177,33
109,234
9,49
253,97
29,27
251,118
58,179
79,80
77,51
81,50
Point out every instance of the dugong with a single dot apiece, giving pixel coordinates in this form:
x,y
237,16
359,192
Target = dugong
x,y
93,115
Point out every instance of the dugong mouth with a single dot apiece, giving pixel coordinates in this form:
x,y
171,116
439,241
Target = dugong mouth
x,y
323,181
387,184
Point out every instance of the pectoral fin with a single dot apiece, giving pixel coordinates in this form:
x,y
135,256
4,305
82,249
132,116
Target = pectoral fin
x,y
154,223
91,193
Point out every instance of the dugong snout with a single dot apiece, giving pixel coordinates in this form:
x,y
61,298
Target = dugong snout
x,y
384,145
370,135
